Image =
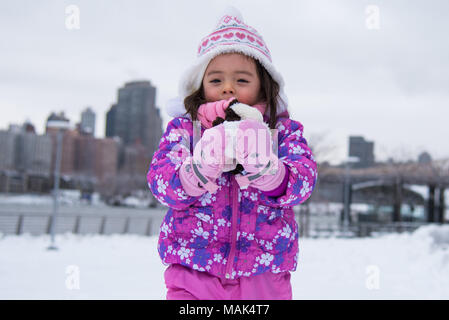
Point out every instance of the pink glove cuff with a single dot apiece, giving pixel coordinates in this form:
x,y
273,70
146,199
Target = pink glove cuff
x,y
270,182
194,183
208,112
280,190
267,179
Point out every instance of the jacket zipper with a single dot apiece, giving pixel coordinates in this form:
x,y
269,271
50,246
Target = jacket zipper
x,y
234,198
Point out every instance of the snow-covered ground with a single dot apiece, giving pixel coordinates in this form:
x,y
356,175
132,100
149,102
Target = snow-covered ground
x,y
72,198
406,266
66,198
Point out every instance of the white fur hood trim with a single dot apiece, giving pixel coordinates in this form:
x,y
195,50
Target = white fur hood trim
x,y
175,108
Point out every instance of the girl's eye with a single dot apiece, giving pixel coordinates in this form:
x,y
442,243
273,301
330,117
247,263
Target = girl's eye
x,y
215,81
243,80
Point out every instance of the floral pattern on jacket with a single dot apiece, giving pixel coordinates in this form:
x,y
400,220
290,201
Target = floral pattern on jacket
x,y
232,232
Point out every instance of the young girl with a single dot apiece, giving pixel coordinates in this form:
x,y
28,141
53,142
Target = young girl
x,y
228,235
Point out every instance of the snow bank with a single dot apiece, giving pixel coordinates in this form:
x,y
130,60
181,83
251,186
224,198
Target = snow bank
x,y
436,236
399,266
396,266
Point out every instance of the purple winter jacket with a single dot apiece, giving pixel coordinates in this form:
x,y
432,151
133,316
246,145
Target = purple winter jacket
x,y
232,232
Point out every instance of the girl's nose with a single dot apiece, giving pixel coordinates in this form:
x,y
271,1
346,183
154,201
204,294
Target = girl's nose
x,y
227,88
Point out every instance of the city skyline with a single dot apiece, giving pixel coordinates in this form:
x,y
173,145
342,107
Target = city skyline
x,y
111,165
424,153
343,77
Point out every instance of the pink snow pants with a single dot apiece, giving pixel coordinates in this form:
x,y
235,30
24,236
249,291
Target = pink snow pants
x,y
187,284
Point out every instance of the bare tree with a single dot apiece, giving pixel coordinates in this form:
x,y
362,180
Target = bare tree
x,y
322,149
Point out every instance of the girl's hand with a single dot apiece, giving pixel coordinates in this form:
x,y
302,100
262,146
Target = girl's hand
x,y
208,112
254,151
208,158
253,146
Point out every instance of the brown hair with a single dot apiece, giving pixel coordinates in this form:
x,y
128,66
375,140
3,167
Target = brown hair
x,y
269,92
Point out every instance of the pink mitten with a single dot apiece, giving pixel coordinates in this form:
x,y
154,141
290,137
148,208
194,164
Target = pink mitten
x,y
208,112
254,152
207,162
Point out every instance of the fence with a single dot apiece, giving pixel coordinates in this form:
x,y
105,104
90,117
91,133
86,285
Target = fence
x,y
37,224
311,226
367,229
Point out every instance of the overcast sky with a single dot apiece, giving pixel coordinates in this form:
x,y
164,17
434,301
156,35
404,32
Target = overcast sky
x,y
343,75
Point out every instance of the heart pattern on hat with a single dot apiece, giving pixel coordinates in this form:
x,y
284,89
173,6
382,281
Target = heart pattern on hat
x,y
241,36
231,31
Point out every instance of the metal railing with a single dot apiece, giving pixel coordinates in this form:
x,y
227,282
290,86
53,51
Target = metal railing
x,y
356,230
37,224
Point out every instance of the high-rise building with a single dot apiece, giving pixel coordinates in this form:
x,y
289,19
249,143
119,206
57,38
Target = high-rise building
x,y
33,154
110,121
106,157
28,127
55,117
424,158
364,150
96,159
25,159
25,152
7,150
85,156
87,125
135,118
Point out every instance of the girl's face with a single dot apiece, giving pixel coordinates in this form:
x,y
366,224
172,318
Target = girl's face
x,y
232,75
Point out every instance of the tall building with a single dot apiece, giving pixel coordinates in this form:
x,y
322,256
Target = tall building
x,y
135,118
85,156
7,161
424,158
364,150
7,150
33,154
96,159
55,117
87,125
28,127
106,157
110,121
25,152
25,159
86,160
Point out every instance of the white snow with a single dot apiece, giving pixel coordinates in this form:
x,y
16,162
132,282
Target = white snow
x,y
399,266
66,198
71,198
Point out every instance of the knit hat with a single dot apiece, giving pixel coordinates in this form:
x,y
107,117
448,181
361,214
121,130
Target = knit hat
x,y
230,35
